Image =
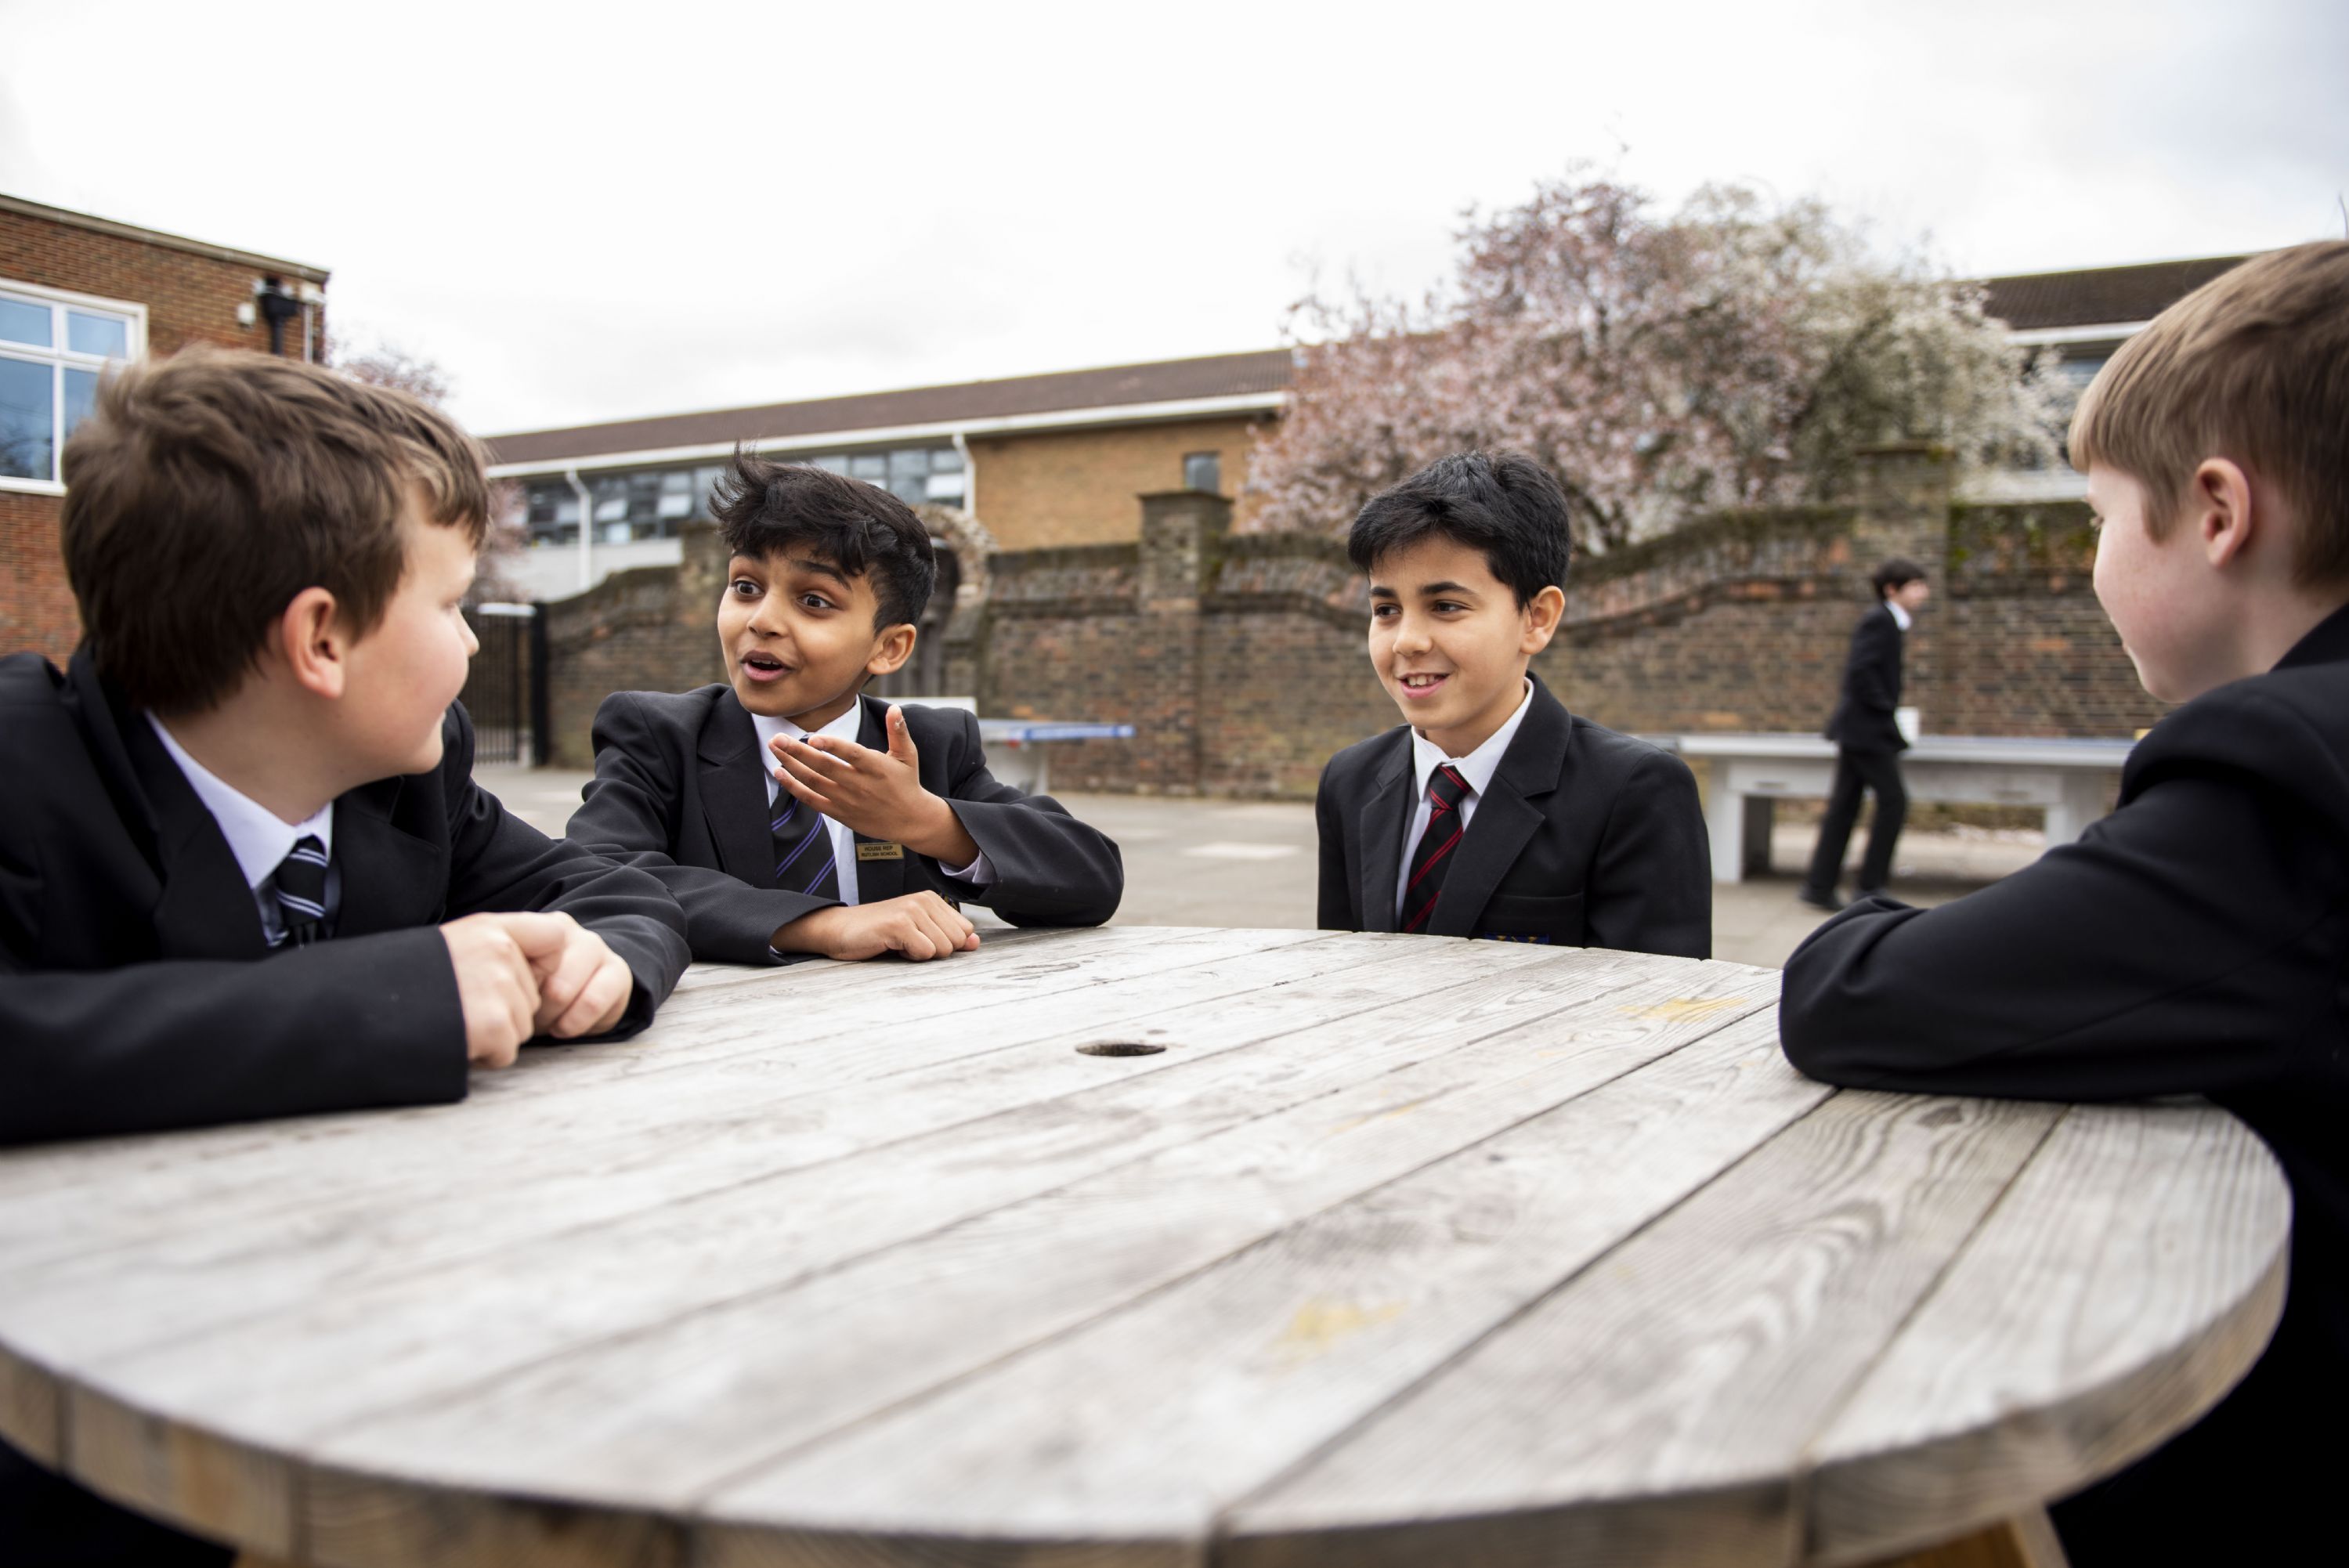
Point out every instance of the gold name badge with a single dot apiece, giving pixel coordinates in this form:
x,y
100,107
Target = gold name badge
x,y
881,851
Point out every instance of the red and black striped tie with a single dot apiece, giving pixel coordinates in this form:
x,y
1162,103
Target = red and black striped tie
x,y
1445,790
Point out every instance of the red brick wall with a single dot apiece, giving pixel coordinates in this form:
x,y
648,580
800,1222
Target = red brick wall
x,y
189,298
1240,660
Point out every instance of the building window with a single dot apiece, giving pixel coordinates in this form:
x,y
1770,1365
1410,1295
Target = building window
x,y
1204,472
631,504
623,507
912,474
52,348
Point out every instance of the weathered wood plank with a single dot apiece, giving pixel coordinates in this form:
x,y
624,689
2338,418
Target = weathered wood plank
x,y
378,1523
1686,1370
2028,1542
676,1410
181,1472
1007,969
32,1409
1389,1245
832,1011
1129,1425
416,1335
2131,1275
582,1157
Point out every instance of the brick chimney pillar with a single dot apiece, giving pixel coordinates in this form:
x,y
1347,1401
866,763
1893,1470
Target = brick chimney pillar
x,y
1180,532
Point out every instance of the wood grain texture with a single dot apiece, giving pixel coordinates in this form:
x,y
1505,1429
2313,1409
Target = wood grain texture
x,y
716,1040
582,1158
2028,1542
2033,1370
417,1332
1151,1420
32,1409
1694,1364
669,1414
1402,1250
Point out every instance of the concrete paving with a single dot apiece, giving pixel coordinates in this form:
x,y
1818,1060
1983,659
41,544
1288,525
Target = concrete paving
x,y
1191,862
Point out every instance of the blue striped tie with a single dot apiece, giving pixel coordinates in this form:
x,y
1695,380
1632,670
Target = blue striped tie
x,y
803,851
301,879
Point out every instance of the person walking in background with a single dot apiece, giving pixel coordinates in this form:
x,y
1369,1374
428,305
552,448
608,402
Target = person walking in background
x,y
1868,738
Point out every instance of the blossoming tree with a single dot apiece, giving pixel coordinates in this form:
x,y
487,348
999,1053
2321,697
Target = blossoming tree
x,y
1732,353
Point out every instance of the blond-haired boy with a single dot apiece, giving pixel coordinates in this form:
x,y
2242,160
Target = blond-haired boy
x,y
2194,940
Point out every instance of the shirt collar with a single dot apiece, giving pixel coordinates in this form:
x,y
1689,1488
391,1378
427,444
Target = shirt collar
x,y
1479,765
845,727
1899,617
258,837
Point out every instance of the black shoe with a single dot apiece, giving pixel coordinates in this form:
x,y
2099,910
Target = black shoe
x,y
1870,893
1817,900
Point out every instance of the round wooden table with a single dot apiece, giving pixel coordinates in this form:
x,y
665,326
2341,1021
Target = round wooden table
x,y
1141,1246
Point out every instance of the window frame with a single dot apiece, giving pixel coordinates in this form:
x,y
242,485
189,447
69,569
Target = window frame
x,y
61,358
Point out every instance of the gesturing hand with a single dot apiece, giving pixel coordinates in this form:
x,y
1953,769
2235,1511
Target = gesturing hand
x,y
876,793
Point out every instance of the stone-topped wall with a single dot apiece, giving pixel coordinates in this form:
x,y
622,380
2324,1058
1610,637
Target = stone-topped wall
x,y
1240,659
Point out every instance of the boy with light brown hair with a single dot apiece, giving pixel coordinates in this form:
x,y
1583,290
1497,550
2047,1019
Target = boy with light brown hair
x,y
245,870
2197,939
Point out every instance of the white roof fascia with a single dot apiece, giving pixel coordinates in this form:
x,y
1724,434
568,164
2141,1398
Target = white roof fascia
x,y
828,440
2101,333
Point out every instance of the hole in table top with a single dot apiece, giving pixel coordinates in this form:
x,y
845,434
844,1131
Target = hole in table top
x,y
1120,1048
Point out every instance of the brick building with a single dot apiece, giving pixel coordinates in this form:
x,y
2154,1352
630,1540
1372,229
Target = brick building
x,y
77,292
1037,462
1238,657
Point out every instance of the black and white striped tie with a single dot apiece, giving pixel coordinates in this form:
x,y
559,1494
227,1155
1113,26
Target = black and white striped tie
x,y
301,879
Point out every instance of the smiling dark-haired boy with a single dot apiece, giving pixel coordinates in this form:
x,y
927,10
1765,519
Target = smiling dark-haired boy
x,y
1493,812
792,816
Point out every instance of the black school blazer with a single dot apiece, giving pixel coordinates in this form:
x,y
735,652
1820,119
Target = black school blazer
x,y
1586,838
137,989
680,791
2194,942
1863,719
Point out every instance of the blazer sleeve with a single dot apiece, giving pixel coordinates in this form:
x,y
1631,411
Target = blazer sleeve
x,y
353,1025
145,1046
630,816
1335,906
1651,883
2188,942
498,861
1049,868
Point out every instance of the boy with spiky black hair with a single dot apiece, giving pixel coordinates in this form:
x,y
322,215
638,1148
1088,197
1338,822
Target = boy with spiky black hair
x,y
791,815
1492,811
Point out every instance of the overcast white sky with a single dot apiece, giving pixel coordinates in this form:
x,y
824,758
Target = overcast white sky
x,y
588,211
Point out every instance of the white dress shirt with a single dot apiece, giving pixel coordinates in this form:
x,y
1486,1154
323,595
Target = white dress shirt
x,y
1899,617
258,837
843,839
1477,768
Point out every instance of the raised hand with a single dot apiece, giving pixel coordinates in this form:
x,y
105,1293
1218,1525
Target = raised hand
x,y
876,793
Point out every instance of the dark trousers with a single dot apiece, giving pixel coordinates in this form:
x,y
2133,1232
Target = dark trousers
x,y
47,1520
1855,771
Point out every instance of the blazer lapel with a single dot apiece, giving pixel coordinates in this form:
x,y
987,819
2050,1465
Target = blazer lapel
x,y
391,880
1507,816
734,794
1384,819
206,909
877,880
